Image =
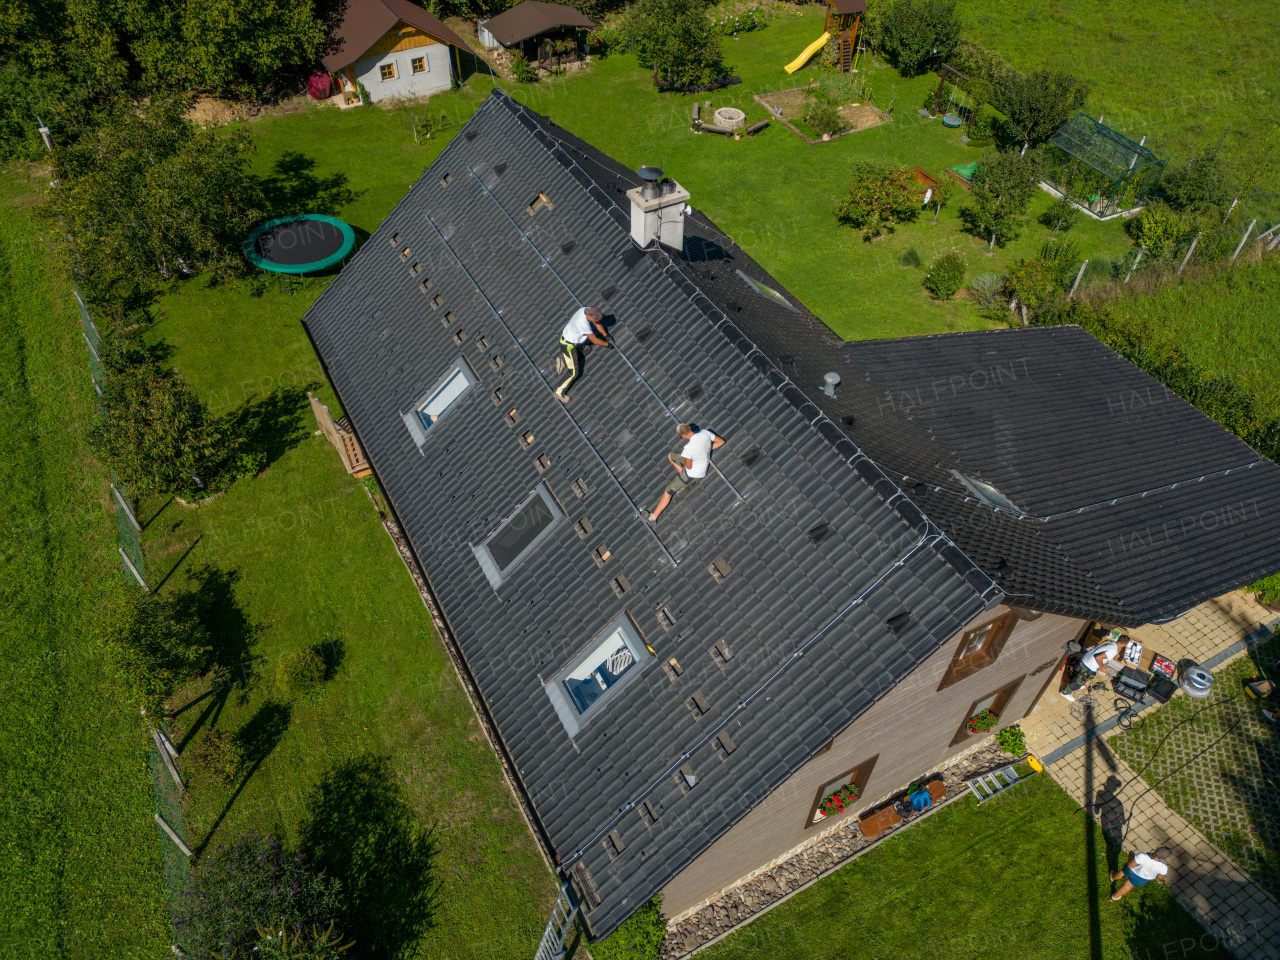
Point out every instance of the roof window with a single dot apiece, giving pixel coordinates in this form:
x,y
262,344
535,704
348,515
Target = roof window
x,y
531,522
438,401
766,291
988,493
610,661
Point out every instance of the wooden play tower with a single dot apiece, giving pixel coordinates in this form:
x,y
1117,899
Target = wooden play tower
x,y
843,19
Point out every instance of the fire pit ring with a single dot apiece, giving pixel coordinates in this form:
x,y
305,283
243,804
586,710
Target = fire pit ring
x,y
730,117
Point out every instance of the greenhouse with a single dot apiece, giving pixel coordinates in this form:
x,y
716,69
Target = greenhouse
x,y
1100,169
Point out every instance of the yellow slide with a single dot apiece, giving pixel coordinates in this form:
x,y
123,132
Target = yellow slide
x,y
809,51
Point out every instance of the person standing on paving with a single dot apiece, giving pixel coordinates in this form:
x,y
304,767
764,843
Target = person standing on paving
x,y
691,463
1141,869
586,324
1089,666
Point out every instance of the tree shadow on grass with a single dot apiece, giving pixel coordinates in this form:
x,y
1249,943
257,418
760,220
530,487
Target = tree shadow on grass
x,y
360,829
272,425
293,187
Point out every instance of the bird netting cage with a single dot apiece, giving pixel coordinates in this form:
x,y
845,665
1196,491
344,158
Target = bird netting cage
x,y
1099,168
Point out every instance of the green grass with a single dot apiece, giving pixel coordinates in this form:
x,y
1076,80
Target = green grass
x,y
1180,72
312,565
1007,879
80,857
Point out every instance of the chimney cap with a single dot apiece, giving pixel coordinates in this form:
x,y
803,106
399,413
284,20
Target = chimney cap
x,y
650,174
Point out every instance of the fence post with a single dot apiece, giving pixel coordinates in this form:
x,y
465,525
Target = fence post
x,y
168,761
134,570
1244,239
168,830
1079,276
124,505
1190,250
1141,251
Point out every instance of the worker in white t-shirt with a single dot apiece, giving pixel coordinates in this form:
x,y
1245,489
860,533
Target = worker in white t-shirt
x,y
586,324
691,462
1141,869
1089,665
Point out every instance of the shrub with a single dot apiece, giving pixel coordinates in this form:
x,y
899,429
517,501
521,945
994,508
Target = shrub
x,y
879,198
1035,283
313,944
982,128
522,69
945,276
1012,740
1267,590
917,33
1158,228
1061,215
640,938
821,112
253,884
299,674
216,756
152,647
1202,185
986,291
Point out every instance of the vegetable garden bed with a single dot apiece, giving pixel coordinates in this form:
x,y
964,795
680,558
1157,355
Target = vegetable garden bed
x,y
786,106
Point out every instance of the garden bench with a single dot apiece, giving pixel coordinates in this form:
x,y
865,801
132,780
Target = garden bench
x,y
695,117
755,128
716,128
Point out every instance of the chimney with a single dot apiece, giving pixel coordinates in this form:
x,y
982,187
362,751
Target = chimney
x,y
658,209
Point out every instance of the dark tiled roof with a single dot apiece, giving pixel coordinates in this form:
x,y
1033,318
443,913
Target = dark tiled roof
x,y
531,18
365,22
823,551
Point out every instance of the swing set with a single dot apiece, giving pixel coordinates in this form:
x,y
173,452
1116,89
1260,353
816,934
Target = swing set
x,y
956,112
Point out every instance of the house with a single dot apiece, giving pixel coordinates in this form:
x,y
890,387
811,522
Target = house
x,y
897,535
393,48
522,26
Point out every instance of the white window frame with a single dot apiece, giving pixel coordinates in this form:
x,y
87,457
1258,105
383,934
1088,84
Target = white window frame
x,y
496,575
418,428
558,693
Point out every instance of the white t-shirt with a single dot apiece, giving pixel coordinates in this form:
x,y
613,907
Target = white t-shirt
x,y
1147,867
1107,649
578,327
698,452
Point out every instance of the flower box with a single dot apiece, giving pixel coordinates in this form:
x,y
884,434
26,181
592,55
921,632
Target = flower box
x,y
834,803
982,722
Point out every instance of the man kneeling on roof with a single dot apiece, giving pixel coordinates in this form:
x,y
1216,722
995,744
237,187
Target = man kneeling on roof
x,y
587,323
691,463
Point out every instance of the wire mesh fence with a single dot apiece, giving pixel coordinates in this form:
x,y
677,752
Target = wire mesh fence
x,y
169,809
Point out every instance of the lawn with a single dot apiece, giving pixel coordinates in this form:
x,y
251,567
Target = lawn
x,y
80,867
1024,875
1221,769
1179,72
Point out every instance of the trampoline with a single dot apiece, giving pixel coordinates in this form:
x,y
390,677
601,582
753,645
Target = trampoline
x,y
305,243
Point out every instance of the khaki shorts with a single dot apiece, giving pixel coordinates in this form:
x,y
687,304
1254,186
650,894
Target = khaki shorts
x,y
682,480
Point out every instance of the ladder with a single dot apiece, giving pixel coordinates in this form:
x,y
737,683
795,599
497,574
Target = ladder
x,y
987,785
846,52
559,926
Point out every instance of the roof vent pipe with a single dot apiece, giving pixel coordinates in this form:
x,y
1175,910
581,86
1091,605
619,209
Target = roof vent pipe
x,y
651,177
669,187
829,383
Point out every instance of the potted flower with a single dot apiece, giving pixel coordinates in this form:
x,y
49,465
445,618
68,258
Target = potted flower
x,y
835,802
982,722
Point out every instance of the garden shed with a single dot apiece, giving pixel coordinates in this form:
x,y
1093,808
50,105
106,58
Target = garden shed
x,y
531,26
1102,170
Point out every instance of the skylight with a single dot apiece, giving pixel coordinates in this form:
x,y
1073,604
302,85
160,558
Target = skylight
x,y
766,291
531,522
612,659
439,400
987,493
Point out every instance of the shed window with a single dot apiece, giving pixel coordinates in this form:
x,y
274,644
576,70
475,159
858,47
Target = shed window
x,y
419,64
439,400
518,534
614,658
388,71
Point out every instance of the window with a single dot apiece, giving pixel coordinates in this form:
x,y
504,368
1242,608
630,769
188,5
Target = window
x,y
987,493
610,661
979,648
419,64
857,778
538,203
442,398
766,291
996,702
388,71
528,524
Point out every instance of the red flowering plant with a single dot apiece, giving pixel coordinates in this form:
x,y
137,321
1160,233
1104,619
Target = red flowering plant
x,y
834,803
880,197
982,722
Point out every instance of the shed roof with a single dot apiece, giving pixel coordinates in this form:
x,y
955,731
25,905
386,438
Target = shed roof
x,y
848,6
532,17
365,22
1102,148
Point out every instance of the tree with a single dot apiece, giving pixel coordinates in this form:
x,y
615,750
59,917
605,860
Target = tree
x,y
1003,186
147,194
252,885
156,432
918,33
676,40
1038,104
943,192
1061,215
1203,186
879,198
153,648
